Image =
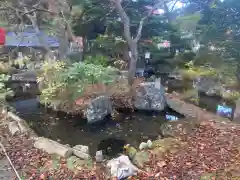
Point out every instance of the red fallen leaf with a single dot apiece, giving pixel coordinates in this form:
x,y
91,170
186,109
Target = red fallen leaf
x,y
42,177
161,164
188,163
157,175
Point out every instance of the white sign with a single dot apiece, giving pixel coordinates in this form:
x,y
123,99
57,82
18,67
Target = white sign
x,y
177,52
20,55
130,54
147,55
165,44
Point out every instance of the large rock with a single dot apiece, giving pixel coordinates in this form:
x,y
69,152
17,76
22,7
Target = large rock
x,y
29,76
13,127
208,85
236,116
150,96
121,167
81,151
53,147
98,109
141,158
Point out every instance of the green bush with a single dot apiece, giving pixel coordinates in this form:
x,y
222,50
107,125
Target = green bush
x,y
69,82
3,90
97,60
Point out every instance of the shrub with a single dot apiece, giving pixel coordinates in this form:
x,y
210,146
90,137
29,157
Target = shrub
x,y
67,83
3,90
191,72
97,60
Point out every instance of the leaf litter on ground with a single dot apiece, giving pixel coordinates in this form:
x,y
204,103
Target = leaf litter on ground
x,y
212,149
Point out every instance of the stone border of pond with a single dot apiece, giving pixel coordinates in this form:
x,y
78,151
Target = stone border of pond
x,y
17,125
176,102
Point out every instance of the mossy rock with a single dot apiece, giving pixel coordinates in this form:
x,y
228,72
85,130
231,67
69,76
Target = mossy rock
x,y
177,128
141,158
208,176
131,152
74,163
161,146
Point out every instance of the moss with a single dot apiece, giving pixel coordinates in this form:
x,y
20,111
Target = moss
x,y
75,163
163,145
231,96
208,176
141,158
194,72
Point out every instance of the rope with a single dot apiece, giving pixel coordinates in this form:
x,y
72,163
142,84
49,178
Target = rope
x,y
14,169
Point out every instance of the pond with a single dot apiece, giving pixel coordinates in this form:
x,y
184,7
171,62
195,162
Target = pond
x,y
217,105
132,128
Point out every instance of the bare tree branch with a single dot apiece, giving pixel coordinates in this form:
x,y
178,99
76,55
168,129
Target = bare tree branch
x,y
37,9
125,19
173,6
141,23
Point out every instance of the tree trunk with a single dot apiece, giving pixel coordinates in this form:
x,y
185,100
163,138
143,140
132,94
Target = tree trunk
x,y
133,62
63,45
125,53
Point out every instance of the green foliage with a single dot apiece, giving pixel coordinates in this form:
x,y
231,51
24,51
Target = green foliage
x,y
232,95
224,71
108,45
3,90
97,60
192,72
100,23
21,61
188,23
67,83
4,68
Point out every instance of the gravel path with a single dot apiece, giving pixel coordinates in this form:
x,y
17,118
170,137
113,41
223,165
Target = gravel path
x,y
6,172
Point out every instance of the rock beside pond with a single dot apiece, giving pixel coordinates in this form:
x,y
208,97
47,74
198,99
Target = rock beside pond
x,y
161,146
131,151
81,151
99,156
53,147
141,158
209,85
98,109
75,163
236,116
121,167
13,127
150,96
146,145
177,128
29,76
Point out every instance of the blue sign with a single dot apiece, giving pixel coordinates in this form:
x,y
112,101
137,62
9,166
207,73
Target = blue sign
x,y
140,73
224,111
171,117
30,39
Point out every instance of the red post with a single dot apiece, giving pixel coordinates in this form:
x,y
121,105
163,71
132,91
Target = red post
x,y
2,36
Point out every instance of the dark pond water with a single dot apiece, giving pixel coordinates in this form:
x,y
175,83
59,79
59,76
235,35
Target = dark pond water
x,y
177,85
132,128
214,103
23,88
